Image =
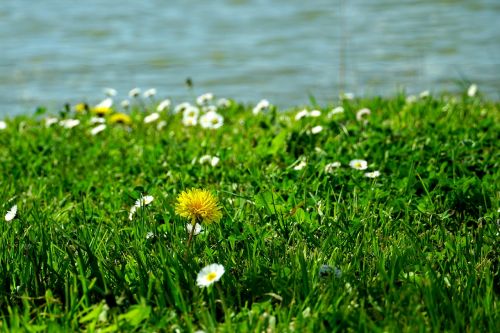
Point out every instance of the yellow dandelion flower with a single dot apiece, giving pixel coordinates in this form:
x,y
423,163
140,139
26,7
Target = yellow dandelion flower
x,y
81,107
120,118
101,110
198,206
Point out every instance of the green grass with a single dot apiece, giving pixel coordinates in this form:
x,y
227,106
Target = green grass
x,y
417,246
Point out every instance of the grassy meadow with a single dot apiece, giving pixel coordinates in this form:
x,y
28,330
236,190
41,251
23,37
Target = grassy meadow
x,y
405,239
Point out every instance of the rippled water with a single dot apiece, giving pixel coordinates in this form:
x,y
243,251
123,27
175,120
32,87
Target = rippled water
x,y
53,51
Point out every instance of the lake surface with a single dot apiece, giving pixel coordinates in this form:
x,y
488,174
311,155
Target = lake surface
x,y
56,51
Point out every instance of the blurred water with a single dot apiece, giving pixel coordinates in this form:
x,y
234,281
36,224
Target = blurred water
x,y
54,51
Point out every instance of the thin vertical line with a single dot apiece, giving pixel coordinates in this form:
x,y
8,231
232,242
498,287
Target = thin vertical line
x,y
342,47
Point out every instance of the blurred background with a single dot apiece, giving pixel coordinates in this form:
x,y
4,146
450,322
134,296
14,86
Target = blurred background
x,y
56,51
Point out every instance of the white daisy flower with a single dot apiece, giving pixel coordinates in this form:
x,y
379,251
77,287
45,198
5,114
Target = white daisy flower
x,y
319,151
211,120
3,125
373,174
141,202
215,160
181,107
204,99
189,121
212,160
425,94
336,110
411,99
362,113
149,93
49,121
69,123
205,159
11,214
301,165
105,103
144,201
97,120
316,129
197,228
161,124
315,113
330,167
209,275
191,112
133,209
301,114
98,129
110,92
152,117
261,106
223,103
471,92
125,103
358,164
149,235
347,95
165,104
134,92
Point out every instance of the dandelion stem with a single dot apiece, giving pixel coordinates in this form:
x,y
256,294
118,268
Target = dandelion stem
x,y
191,234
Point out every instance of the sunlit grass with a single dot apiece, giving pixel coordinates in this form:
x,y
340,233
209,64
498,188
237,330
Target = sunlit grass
x,y
369,215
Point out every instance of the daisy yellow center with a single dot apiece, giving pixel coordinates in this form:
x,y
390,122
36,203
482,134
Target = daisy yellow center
x,y
215,121
357,165
211,276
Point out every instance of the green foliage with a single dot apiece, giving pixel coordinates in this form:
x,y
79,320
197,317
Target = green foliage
x,y
417,247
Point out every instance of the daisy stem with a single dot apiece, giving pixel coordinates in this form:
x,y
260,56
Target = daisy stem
x,y
221,295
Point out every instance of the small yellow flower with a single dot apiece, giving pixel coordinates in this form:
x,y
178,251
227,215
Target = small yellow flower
x,y
198,206
81,107
101,110
120,118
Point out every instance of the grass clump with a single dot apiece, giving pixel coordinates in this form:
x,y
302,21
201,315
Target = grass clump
x,y
380,220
